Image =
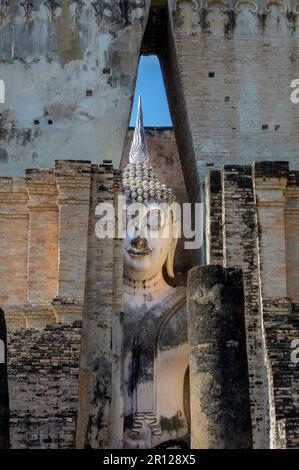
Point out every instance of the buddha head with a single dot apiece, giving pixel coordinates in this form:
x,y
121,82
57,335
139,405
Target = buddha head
x,y
151,238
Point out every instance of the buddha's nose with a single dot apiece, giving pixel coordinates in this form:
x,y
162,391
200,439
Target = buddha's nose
x,y
139,243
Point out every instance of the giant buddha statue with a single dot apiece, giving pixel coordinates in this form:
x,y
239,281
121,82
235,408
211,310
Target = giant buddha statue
x,y
156,375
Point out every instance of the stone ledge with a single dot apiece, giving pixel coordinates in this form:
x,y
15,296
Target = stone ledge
x,y
67,310
270,169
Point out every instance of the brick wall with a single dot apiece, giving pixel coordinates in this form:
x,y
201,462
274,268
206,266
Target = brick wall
x,y
65,266
43,368
231,242
257,214
228,83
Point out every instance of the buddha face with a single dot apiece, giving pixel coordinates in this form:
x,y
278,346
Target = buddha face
x,y
148,242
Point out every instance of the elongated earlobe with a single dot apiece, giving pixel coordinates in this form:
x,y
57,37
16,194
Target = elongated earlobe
x,y
172,248
170,258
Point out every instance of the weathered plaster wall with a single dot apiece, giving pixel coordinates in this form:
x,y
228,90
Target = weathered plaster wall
x,y
228,70
52,60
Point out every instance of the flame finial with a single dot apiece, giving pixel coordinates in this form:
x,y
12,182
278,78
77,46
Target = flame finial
x,y
139,150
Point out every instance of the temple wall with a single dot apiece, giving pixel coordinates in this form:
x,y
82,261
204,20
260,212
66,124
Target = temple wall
x,y
43,386
14,221
259,234
53,215
44,232
222,69
234,66
69,74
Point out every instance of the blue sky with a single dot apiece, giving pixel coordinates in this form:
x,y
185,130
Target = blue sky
x,y
151,88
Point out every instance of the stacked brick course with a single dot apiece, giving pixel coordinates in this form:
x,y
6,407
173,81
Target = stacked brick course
x,y
43,370
64,267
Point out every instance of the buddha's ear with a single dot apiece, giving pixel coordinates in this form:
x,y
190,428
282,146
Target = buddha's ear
x,y
173,244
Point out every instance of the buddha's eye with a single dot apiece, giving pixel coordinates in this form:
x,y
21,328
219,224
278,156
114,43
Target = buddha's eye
x,y
155,220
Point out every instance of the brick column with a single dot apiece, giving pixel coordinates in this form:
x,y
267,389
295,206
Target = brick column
x,y
214,240
43,246
240,234
219,391
100,413
73,185
14,248
292,236
270,181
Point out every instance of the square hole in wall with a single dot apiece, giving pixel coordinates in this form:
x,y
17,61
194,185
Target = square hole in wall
x,y
227,99
209,164
36,122
277,126
265,127
50,122
106,70
88,92
211,74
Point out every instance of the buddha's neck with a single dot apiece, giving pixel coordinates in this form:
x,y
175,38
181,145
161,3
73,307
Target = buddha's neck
x,y
145,290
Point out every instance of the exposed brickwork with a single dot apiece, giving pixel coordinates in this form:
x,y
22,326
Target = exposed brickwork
x,y
102,302
43,368
214,237
223,72
279,328
240,249
73,184
259,228
14,223
44,338
43,236
283,377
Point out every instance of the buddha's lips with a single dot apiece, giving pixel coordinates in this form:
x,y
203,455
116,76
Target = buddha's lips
x,y
142,252
139,247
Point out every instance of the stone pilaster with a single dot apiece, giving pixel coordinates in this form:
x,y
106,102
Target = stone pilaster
x,y
101,311
4,400
240,233
43,236
292,235
117,408
214,239
13,241
219,389
73,185
270,181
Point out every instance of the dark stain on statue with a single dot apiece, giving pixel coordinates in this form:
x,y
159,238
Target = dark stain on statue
x,y
175,423
134,376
